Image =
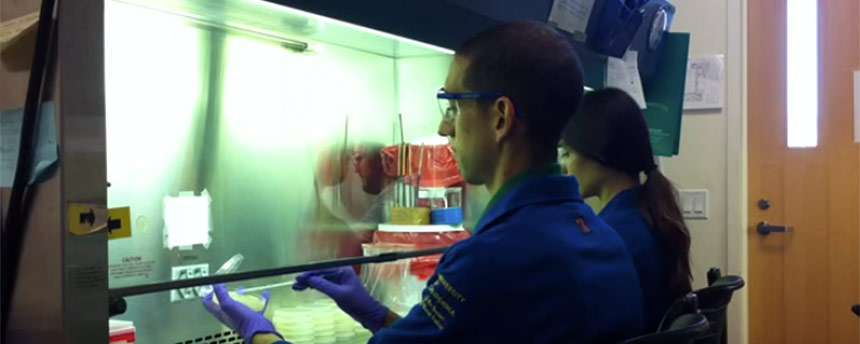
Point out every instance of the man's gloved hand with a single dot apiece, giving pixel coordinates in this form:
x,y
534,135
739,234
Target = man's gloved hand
x,y
238,316
344,286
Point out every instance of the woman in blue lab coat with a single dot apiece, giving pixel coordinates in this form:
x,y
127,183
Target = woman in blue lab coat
x,y
606,145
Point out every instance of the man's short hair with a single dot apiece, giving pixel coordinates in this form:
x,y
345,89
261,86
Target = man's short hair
x,y
533,65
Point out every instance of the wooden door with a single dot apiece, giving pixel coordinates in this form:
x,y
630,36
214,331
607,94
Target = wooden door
x,y
802,283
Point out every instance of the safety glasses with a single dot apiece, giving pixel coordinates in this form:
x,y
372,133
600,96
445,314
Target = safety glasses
x,y
449,102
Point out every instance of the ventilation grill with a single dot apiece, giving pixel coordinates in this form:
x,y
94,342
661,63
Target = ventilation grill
x,y
229,337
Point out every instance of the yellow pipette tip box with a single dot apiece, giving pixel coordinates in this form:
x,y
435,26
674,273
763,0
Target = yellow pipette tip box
x,y
410,216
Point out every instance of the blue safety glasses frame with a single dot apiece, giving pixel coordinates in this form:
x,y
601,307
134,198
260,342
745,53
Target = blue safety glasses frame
x,y
449,104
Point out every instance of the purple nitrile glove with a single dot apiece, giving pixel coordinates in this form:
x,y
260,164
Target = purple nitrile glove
x,y
344,286
238,316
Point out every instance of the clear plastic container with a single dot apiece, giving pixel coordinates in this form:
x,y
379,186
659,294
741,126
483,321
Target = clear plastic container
x,y
454,197
440,197
432,197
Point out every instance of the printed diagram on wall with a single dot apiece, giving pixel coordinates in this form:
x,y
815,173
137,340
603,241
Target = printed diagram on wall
x,y
704,84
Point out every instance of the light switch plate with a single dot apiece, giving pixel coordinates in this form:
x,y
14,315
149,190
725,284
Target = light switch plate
x,y
694,204
187,272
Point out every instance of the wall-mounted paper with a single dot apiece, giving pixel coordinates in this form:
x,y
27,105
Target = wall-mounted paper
x,y
623,74
571,16
704,86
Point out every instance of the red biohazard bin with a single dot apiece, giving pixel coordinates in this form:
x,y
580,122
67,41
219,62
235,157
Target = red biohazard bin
x,y
438,169
121,332
421,238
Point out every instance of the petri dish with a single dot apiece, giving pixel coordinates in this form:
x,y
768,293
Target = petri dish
x,y
230,266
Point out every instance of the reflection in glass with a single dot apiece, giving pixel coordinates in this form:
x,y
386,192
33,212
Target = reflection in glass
x,y
240,127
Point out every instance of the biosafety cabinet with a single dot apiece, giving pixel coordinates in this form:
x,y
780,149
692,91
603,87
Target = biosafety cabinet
x,y
238,141
199,133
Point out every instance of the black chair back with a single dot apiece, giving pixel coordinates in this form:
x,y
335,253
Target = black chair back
x,y
713,302
684,305
682,330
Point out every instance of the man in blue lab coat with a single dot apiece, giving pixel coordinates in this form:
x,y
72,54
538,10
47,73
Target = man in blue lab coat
x,y
541,267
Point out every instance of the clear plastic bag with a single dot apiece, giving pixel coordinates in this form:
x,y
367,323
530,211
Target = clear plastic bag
x,y
398,284
392,283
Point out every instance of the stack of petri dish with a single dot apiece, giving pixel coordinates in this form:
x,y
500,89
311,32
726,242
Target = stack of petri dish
x,y
318,322
292,324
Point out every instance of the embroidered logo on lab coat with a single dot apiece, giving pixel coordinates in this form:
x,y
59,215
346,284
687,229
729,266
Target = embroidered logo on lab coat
x,y
582,225
441,300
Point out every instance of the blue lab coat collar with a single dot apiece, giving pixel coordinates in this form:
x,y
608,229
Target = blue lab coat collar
x,y
539,188
625,199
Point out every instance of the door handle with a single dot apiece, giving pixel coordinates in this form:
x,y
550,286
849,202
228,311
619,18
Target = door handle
x,y
765,228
